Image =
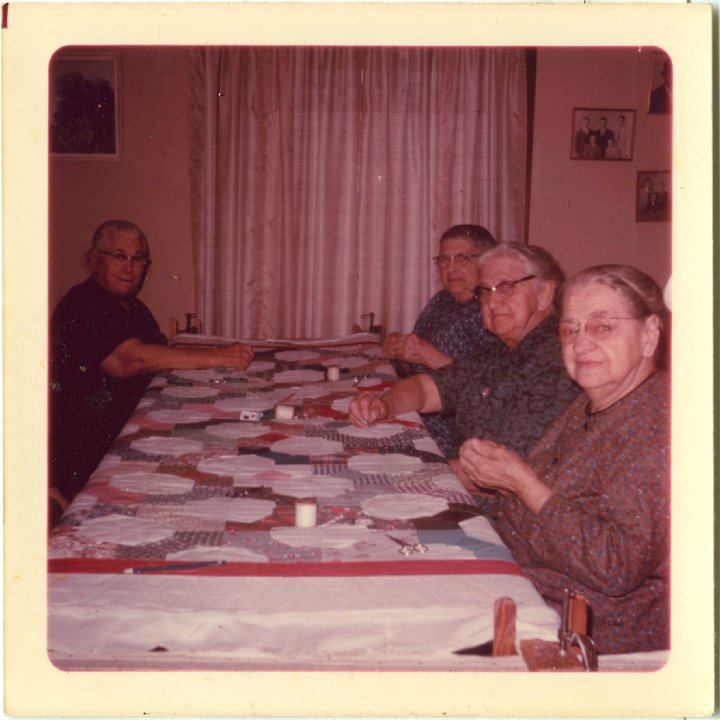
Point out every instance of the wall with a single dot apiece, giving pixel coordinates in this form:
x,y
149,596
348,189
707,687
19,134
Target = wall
x,y
147,185
583,211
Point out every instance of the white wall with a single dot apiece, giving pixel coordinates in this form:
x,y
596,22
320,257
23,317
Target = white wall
x,y
583,211
148,185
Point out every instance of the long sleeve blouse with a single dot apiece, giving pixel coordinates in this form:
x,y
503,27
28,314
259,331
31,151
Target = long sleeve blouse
x,y
508,395
604,533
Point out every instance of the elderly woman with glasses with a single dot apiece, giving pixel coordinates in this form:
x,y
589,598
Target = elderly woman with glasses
x,y
449,327
509,392
105,345
588,510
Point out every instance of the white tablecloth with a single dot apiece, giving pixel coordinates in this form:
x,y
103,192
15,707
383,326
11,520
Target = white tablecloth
x,y
134,621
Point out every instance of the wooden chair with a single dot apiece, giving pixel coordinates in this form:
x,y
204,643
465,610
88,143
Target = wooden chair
x,y
574,651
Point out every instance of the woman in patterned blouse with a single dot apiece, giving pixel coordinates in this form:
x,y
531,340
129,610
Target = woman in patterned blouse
x,y
450,326
589,510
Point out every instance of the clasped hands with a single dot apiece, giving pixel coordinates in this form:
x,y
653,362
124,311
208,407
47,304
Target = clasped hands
x,y
409,348
491,466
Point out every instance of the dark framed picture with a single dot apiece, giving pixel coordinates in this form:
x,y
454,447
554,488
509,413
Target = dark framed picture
x,y
84,112
653,196
602,134
660,84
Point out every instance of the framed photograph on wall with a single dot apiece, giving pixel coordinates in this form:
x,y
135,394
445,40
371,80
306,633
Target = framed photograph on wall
x,y
602,134
660,84
653,196
84,107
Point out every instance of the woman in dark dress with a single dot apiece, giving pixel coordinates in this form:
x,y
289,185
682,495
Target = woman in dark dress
x,y
105,346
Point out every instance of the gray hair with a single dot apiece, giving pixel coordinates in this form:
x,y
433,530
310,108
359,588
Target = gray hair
x,y
639,293
106,230
537,261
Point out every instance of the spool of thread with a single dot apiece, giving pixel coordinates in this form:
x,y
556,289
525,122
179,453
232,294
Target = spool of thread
x,y
305,513
333,372
284,412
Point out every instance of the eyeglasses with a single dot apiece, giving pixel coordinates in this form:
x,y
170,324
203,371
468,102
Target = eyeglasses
x,y
120,258
598,328
504,289
461,259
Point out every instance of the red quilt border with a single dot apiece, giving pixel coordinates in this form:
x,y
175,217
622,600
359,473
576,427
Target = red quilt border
x,y
281,569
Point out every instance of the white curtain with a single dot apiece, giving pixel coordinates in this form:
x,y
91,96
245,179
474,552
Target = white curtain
x,y
323,177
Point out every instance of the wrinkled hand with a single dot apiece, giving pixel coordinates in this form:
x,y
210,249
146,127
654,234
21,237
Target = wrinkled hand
x,y
403,347
236,356
391,344
494,466
490,465
413,349
469,485
366,409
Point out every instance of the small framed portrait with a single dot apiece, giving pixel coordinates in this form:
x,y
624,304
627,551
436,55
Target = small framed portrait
x,y
601,134
660,84
84,113
653,196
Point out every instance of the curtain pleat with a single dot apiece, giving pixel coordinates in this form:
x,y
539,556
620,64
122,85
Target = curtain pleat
x,y
323,177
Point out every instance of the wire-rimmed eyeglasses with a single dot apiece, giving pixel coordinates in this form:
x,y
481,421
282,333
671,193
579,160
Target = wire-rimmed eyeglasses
x,y
460,259
120,258
504,289
598,328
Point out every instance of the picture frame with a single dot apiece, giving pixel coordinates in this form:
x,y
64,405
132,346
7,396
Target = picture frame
x,y
653,196
84,107
659,100
602,134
